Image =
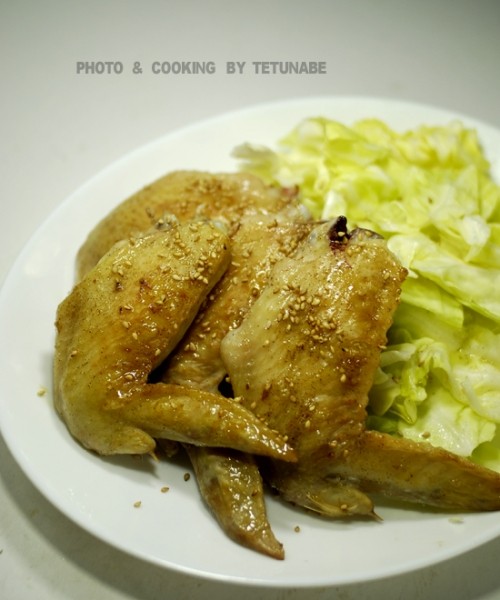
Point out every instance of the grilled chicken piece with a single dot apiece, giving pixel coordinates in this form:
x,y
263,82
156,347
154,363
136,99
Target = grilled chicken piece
x,y
260,241
120,322
187,195
232,487
304,359
258,238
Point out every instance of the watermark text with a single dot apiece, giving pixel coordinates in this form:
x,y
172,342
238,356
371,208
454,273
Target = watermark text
x,y
194,67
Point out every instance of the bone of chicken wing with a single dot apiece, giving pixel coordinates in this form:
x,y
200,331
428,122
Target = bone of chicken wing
x,y
304,359
120,322
188,195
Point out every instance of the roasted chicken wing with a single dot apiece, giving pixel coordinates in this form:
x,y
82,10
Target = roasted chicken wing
x,y
187,195
260,241
120,322
264,224
231,485
304,359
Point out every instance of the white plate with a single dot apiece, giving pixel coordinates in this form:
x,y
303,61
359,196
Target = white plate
x,y
174,529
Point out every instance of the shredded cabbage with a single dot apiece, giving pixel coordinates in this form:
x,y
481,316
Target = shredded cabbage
x,y
430,193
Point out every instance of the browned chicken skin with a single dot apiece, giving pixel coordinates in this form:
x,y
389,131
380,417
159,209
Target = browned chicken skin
x,y
120,322
187,195
231,485
304,359
259,242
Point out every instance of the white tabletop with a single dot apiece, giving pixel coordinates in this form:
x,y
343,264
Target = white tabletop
x,y
58,128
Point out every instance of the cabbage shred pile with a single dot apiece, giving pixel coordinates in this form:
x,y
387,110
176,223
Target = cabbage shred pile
x,y
430,193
